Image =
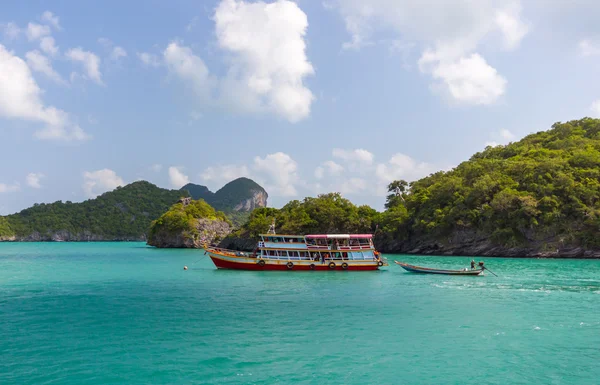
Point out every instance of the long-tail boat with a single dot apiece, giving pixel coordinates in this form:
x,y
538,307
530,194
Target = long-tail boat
x,y
427,270
329,252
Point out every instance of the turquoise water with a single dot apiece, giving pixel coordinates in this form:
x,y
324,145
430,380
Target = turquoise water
x,y
123,313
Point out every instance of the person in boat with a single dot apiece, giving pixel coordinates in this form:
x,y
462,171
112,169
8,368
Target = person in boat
x,y
472,264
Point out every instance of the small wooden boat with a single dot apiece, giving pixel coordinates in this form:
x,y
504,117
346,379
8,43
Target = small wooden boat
x,y
426,270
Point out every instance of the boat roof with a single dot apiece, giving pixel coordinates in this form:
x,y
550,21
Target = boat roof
x,y
339,236
322,236
281,235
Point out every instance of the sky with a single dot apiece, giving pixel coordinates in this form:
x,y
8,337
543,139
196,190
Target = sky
x,y
304,97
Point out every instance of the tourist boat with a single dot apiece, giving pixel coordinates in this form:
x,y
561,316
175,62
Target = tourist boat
x,y
426,270
303,252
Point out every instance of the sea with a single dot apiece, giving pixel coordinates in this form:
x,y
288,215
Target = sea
x,y
126,313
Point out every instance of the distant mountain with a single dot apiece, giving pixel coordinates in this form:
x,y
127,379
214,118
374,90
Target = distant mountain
x,y
236,199
122,214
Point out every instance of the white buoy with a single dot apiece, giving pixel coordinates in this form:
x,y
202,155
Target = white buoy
x,y
185,268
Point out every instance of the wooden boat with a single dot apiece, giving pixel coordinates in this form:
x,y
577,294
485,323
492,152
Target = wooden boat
x,y
427,270
321,252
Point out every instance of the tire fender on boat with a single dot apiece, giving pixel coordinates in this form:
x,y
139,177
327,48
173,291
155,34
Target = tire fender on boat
x,y
290,265
312,266
332,265
261,262
380,263
345,266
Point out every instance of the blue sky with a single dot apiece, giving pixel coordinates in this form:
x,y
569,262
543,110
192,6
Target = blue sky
x,y
304,97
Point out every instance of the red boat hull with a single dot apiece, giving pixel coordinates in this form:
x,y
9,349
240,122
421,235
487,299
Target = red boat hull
x,y
235,263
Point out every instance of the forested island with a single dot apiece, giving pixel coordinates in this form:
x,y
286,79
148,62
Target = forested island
x,y
538,197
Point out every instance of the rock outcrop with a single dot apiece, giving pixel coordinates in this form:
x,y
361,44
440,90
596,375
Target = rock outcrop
x,y
207,231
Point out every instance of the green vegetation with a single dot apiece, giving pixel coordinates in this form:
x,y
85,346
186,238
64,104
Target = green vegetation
x,y
229,198
544,188
328,213
181,220
124,213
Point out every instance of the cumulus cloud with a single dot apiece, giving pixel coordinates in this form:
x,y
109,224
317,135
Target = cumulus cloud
x,y
595,108
469,80
589,47
6,188
36,31
280,171
48,45
11,31
181,61
117,53
451,31
148,59
269,62
358,155
49,18
100,181
22,100
329,168
90,62
33,179
506,134
402,166
40,63
224,173
177,178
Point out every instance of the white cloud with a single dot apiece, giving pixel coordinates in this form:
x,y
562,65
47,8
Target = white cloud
x,y
51,19
40,63
36,31
100,181
330,168
148,59
491,144
281,173
589,47
358,155
10,30
156,167
182,62
117,53
177,178
22,100
269,62
402,166
595,108
33,179
90,62
509,22
507,134
353,186
450,33
47,45
467,80
225,173
6,188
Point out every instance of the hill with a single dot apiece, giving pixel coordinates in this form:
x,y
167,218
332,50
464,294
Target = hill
x,y
122,214
188,224
539,196
236,199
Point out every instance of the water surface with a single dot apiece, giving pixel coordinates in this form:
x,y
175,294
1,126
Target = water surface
x,y
124,313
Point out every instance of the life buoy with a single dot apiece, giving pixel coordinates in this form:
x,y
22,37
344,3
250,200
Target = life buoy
x,y
290,265
345,266
380,263
332,265
312,266
261,262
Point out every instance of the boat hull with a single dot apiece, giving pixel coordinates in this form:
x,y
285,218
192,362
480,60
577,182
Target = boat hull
x,y
426,270
224,261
